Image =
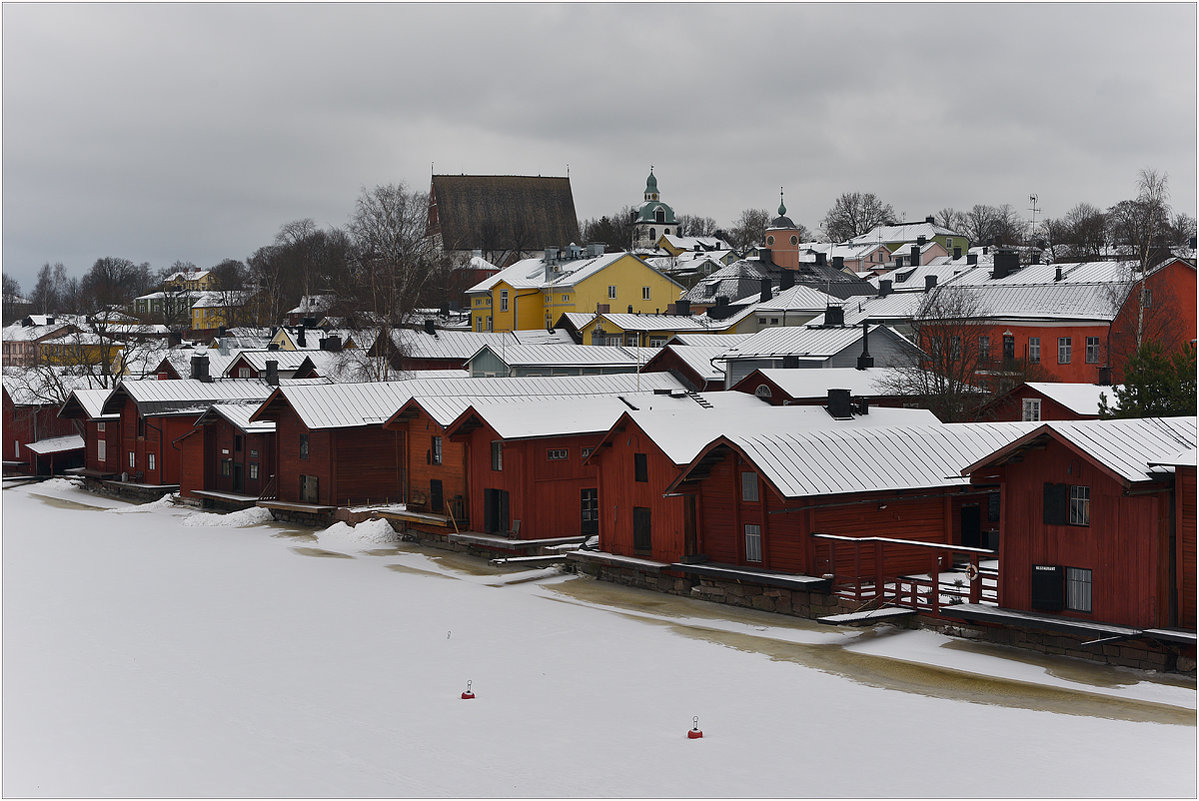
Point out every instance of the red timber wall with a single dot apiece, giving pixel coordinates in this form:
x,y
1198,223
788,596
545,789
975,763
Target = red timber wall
x,y
288,430
1169,317
544,494
418,432
26,424
366,465
1011,407
351,465
111,435
620,493
191,459
204,450
157,437
1126,545
1184,527
928,515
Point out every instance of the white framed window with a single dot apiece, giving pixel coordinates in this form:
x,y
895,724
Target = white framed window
x,y
749,486
132,459
101,450
1031,409
1080,505
769,241
1092,350
478,323
503,300
101,426
245,372
585,452
611,293
1078,589
566,298
488,323
150,461
657,342
557,454
435,451
753,542
1034,350
984,348
1063,350
645,293
253,470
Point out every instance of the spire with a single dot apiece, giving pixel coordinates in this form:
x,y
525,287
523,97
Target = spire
x,y
651,185
782,208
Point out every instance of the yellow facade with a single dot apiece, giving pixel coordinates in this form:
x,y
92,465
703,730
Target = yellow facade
x,y
626,282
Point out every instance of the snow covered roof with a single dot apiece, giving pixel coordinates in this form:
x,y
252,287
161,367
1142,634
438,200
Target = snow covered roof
x,y
42,386
238,414
539,336
537,417
350,405
699,359
725,341
1128,448
798,298
662,322
1078,398
30,333
314,303
681,432
1048,301
286,360
567,355
798,341
690,243
90,402
808,384
70,442
531,273
833,461
903,232
448,344
183,396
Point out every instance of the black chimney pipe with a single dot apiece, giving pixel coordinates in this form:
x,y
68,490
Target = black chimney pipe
x,y
272,372
786,280
765,285
865,360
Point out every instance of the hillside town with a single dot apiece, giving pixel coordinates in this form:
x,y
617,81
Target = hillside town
x,y
966,425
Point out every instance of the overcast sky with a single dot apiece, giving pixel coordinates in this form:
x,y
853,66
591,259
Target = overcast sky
x,y
193,132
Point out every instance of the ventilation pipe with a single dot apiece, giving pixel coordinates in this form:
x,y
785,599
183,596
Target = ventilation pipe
x,y
865,361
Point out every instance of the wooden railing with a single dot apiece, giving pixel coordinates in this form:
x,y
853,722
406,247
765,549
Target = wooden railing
x,y
879,587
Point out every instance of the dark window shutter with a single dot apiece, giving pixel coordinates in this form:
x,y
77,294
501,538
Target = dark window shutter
x,y
1047,588
993,507
640,467
1056,504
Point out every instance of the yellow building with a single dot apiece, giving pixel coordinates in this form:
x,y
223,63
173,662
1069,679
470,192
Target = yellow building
x,y
190,281
533,293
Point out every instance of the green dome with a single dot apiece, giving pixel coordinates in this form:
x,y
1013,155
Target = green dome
x,y
651,183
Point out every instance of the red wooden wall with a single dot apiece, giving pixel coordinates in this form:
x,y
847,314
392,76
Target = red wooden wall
x,y
1184,500
1011,407
1125,546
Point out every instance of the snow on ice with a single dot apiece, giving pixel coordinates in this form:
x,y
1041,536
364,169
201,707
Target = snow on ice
x,y
146,655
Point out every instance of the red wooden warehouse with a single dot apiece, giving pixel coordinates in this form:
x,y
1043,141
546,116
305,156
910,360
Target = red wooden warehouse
x,y
227,460
101,432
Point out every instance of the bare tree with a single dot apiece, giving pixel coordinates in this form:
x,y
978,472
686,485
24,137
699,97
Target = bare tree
x,y
750,228
693,225
615,231
950,218
950,331
853,214
1143,226
393,260
12,298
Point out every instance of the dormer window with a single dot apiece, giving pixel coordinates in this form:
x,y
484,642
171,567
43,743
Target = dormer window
x,y
660,215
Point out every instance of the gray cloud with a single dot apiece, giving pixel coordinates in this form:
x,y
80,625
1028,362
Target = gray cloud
x,y
173,131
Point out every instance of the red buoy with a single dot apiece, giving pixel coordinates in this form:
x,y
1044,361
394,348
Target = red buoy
x,y
468,693
695,733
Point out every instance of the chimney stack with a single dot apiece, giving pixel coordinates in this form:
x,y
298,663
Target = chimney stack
x,y
300,340
865,360
200,368
930,281
272,372
971,259
786,280
333,343
930,220
884,287
429,327
838,262
820,258
838,404
1057,273
682,308
834,316
957,253
765,290
915,255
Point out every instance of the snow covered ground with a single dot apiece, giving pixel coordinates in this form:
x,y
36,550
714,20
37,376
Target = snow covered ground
x,y
159,651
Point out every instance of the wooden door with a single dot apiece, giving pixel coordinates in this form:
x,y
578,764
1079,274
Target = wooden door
x,y
642,529
436,499
308,490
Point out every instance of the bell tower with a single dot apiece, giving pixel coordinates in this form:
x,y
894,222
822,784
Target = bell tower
x,y
653,218
782,237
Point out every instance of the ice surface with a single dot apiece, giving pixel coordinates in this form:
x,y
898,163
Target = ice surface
x,y
146,658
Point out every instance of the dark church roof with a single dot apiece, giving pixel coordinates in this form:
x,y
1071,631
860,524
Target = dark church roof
x,y
502,212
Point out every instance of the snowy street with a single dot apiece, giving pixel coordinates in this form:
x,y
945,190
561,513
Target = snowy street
x,y
161,651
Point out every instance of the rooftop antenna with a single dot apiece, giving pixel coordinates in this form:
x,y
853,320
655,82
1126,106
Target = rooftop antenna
x,y
1032,206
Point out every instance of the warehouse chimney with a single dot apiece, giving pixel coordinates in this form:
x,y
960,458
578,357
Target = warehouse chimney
x,y
838,404
865,360
765,290
272,372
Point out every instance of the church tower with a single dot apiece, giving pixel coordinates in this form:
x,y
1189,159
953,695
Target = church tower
x,y
653,218
782,237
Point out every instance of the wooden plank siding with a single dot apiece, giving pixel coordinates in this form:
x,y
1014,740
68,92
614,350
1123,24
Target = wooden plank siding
x,y
365,465
1125,545
23,425
288,432
146,436
205,448
543,494
418,432
1184,527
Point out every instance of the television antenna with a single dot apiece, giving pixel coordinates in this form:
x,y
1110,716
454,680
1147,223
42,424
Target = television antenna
x,y
1032,206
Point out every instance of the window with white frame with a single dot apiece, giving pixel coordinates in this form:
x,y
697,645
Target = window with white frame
x,y
245,372
645,293
132,459
253,470
1080,505
503,300
1031,410
657,342
1063,350
1092,350
749,486
611,293
557,454
101,450
150,461
1034,350
1078,589
101,427
984,348
753,542
585,452
435,451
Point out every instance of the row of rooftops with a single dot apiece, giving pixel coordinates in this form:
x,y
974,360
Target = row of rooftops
x,y
799,450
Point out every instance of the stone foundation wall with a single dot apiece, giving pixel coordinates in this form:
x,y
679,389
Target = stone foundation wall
x,y
1141,654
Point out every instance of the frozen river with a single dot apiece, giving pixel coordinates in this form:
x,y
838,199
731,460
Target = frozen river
x,y
157,651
